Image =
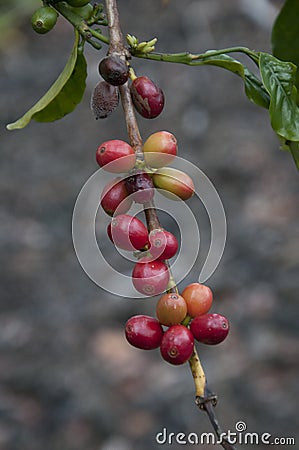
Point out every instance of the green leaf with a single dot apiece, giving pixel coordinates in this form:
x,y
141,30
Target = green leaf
x,y
64,94
285,34
279,80
294,149
69,96
222,60
254,88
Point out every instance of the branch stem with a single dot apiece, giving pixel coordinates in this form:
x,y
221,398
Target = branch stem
x,y
116,38
81,26
198,374
192,59
117,47
131,121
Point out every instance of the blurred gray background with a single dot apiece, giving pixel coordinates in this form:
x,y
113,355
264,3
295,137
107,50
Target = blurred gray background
x,y
68,378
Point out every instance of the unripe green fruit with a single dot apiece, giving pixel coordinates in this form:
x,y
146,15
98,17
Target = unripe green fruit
x,y
173,183
77,3
44,19
84,11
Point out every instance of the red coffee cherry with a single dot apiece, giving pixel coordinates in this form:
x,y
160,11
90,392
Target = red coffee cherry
x,y
104,100
148,98
163,244
119,152
199,299
173,183
114,70
150,277
115,197
171,309
210,328
177,345
144,332
127,232
140,186
160,149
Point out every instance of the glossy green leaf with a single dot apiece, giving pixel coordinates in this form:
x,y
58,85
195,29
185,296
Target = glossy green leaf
x,y
279,80
64,94
69,96
254,88
285,34
222,60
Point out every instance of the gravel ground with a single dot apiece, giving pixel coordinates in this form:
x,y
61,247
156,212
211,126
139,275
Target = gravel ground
x,y
68,379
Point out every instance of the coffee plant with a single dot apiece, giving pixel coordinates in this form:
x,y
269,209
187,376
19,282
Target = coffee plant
x,y
181,318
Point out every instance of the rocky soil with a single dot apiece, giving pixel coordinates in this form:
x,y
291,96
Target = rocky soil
x,y
68,378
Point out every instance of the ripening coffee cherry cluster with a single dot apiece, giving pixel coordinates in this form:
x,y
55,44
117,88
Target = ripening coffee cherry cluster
x,y
180,319
150,275
148,98
117,156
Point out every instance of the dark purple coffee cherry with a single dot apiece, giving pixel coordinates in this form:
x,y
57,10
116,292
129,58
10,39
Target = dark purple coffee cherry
x,y
104,99
140,186
114,70
148,98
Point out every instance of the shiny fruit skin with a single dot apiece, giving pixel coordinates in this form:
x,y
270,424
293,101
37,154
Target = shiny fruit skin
x,y
150,277
114,70
163,244
160,149
115,198
177,345
127,232
210,328
147,98
144,332
140,186
77,3
199,299
44,19
171,309
104,99
173,183
119,152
